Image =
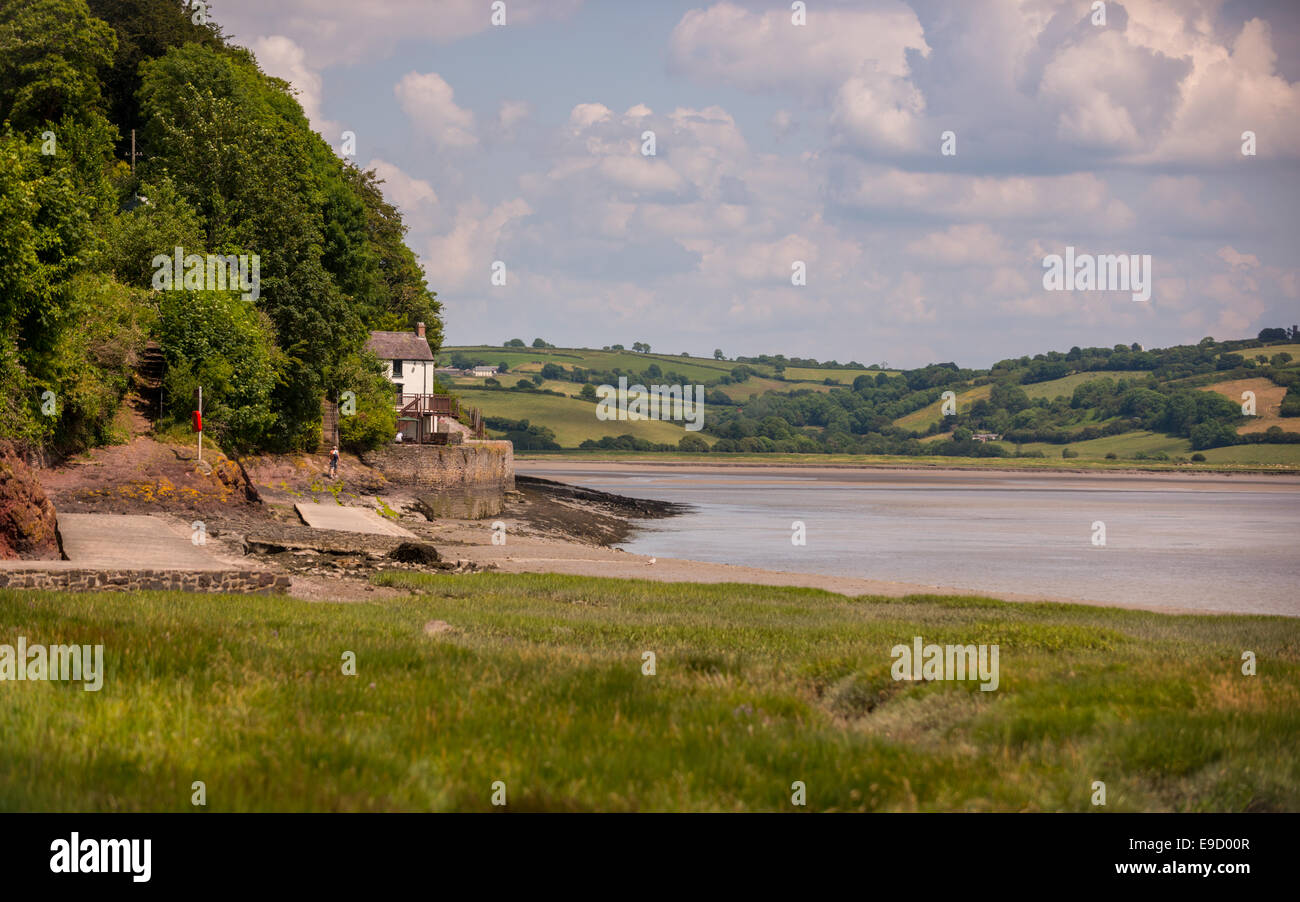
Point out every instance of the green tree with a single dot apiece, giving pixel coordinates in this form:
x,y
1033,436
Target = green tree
x,y
215,340
374,422
50,54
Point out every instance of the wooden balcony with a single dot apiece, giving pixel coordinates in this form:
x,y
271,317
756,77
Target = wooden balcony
x,y
423,411
411,405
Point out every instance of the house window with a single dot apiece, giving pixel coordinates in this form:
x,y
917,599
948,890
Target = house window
x,y
398,386
397,369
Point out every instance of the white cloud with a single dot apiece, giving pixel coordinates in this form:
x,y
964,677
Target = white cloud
x,y
766,52
1236,260
854,61
511,113
782,123
961,245
430,103
282,57
639,173
414,197
1230,90
584,115
463,257
345,32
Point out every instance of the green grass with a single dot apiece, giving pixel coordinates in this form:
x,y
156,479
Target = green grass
x,y
573,420
1269,351
920,420
1124,446
539,684
843,377
759,385
701,368
1269,455
1130,443
1065,386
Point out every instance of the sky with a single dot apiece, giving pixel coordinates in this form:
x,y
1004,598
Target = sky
x,y
869,181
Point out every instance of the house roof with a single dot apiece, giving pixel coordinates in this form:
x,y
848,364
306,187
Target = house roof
x,y
399,346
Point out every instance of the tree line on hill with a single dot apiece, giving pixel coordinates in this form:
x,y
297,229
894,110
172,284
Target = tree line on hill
x,y
1164,396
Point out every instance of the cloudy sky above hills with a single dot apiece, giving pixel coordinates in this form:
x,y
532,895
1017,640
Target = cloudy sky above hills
x,y
819,143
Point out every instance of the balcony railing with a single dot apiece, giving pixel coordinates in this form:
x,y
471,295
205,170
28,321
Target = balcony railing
x,y
420,405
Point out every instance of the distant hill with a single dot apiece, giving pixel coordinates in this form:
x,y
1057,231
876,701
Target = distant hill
x,y
1122,403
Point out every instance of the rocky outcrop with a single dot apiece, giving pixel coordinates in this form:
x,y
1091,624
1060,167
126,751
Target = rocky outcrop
x,y
27,520
415,553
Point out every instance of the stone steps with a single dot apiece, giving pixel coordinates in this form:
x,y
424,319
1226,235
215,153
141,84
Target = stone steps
x,y
329,427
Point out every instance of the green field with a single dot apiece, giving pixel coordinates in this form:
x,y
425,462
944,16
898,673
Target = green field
x,y
1130,443
1125,445
575,421
757,385
843,377
531,360
1255,454
571,419
1252,353
1065,386
920,420
538,683
703,369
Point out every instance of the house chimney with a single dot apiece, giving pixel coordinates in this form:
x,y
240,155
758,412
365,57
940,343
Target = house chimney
x,y
419,329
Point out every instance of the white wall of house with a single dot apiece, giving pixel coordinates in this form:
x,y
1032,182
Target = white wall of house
x,y
416,378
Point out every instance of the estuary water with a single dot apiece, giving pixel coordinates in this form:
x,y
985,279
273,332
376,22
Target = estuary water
x,y
1212,543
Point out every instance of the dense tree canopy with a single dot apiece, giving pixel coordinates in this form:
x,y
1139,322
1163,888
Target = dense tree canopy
x,y
228,166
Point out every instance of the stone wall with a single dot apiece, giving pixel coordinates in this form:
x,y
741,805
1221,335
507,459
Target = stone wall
x,y
74,579
468,480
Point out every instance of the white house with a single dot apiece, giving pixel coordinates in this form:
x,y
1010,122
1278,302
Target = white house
x,y
422,415
407,358
483,371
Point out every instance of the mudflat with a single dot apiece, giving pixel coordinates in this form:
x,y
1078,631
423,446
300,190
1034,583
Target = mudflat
x,y
1206,541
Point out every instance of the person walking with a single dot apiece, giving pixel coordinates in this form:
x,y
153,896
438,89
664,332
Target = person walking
x,y
334,463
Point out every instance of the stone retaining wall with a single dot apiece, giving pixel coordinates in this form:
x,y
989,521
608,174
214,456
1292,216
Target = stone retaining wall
x,y
468,480
72,579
